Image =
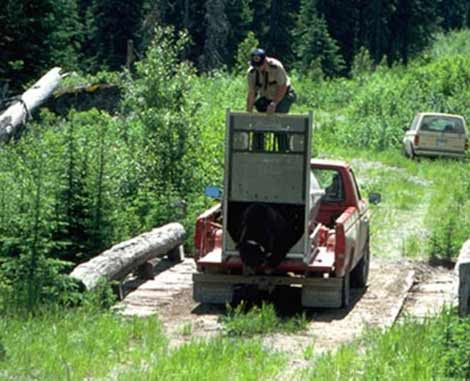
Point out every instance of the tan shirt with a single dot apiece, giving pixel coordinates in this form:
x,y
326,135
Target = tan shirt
x,y
265,84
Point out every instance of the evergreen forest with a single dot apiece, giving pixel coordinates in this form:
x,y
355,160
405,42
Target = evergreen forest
x,y
316,36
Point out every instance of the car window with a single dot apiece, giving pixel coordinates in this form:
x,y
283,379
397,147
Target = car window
x,y
331,181
442,124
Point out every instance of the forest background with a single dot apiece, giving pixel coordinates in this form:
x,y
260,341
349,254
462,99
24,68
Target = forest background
x,y
92,35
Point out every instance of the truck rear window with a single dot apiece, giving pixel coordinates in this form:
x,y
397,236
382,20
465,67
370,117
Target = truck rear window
x,y
442,124
267,141
331,181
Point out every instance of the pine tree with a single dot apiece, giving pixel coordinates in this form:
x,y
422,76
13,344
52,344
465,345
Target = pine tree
x,y
377,25
216,35
314,44
239,16
412,26
453,13
282,21
343,20
109,26
182,15
72,201
261,20
35,35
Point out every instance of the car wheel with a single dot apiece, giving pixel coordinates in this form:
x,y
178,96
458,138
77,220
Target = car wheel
x,y
403,150
413,155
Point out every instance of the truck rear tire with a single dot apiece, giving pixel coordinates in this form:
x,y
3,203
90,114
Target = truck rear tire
x,y
360,273
346,291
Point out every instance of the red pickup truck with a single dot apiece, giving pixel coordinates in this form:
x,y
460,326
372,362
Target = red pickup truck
x,y
337,255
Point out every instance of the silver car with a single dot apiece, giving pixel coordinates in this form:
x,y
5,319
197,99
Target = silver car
x,y
436,134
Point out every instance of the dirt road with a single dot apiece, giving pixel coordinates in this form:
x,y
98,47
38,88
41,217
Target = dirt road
x,y
396,287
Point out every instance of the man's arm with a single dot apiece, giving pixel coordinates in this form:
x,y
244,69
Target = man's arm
x,y
280,92
250,100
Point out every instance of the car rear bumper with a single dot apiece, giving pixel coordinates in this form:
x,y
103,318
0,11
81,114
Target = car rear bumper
x,y
433,152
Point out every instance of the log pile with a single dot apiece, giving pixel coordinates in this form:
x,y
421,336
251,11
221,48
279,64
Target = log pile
x,y
123,258
462,269
18,113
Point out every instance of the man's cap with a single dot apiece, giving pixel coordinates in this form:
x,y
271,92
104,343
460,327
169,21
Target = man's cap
x,y
257,57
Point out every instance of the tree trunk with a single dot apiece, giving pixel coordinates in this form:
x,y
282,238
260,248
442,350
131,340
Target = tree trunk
x,y
19,112
121,259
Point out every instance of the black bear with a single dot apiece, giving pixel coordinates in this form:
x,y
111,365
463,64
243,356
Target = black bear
x,y
266,236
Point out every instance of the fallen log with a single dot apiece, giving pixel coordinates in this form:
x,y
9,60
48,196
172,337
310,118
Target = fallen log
x,y
18,113
462,270
123,258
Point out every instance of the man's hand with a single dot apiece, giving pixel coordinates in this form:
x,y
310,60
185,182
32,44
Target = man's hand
x,y
271,107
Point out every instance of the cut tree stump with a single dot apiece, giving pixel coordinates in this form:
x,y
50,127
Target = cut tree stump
x,y
123,258
18,113
462,269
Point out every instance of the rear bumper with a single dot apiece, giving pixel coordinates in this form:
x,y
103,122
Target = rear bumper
x,y
433,152
267,281
315,292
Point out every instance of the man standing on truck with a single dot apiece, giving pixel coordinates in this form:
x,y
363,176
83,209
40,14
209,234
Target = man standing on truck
x,y
268,79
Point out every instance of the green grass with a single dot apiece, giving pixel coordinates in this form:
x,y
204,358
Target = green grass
x,y
242,321
74,345
91,344
432,349
218,359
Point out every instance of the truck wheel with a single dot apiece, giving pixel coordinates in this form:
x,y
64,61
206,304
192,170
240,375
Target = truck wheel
x,y
346,292
360,273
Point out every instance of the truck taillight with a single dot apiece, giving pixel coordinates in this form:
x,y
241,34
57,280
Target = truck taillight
x,y
416,141
466,144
